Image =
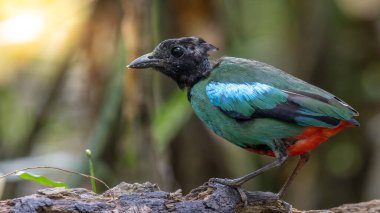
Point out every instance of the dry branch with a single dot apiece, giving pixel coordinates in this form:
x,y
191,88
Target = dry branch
x,y
147,197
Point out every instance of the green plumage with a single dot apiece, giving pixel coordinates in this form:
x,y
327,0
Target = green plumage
x,y
261,130
239,133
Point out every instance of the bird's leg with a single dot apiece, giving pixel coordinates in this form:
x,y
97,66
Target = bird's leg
x,y
281,155
304,157
241,180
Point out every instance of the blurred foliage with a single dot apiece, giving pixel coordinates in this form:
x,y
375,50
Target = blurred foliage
x,y
169,119
64,88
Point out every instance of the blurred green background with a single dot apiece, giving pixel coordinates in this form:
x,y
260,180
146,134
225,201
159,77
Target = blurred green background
x,y
64,88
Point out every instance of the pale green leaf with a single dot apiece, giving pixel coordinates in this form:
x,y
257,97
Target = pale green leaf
x,y
40,179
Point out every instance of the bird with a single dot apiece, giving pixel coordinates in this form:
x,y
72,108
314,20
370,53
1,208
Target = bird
x,y
253,105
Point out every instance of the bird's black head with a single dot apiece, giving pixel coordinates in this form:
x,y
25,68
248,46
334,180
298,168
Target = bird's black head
x,y
185,60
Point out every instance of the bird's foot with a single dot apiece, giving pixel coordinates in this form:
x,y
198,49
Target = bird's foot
x,y
232,183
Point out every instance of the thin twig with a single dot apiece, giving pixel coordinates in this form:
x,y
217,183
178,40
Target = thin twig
x,y
50,167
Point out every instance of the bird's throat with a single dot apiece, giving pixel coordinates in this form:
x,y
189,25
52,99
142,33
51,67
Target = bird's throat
x,y
187,77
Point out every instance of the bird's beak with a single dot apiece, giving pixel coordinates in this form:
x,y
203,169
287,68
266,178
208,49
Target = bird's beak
x,y
144,61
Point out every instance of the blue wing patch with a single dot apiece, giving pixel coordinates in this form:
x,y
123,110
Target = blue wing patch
x,y
256,100
244,98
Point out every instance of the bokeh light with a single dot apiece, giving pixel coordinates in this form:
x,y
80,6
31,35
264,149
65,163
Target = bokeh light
x,y
22,28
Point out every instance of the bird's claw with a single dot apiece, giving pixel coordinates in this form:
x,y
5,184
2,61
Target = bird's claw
x,y
243,196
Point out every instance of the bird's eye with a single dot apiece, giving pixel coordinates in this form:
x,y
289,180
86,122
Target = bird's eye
x,y
177,52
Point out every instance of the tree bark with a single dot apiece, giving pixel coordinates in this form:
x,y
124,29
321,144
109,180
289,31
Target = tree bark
x,y
147,197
